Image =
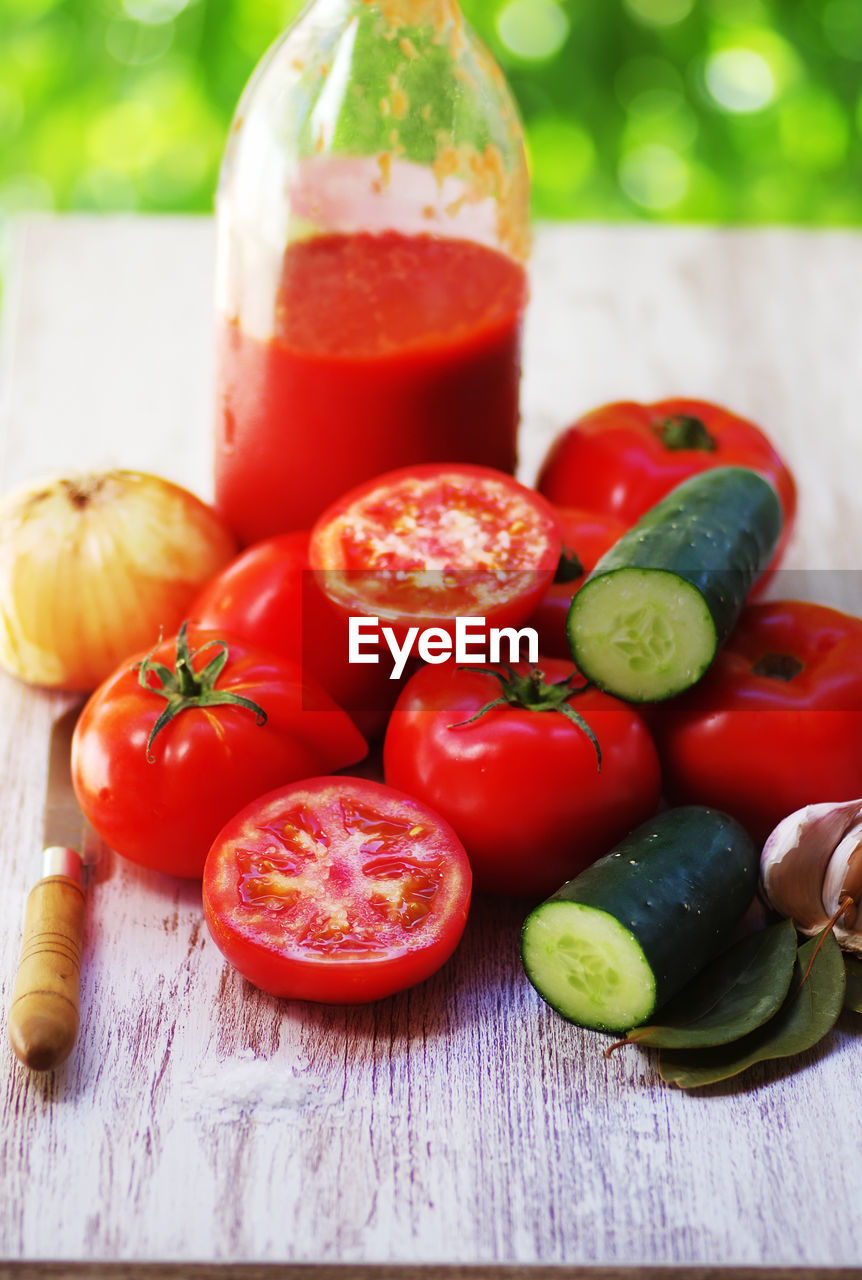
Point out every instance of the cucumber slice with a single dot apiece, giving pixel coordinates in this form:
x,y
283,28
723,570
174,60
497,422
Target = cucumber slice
x,y
588,966
649,619
644,635
616,942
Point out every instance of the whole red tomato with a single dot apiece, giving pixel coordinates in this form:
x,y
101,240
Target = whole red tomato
x,y
622,458
336,889
776,723
587,535
175,742
269,597
497,753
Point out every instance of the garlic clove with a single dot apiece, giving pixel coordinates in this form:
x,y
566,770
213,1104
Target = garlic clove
x,y
844,877
796,869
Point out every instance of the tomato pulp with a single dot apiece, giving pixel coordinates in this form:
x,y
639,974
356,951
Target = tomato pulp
x,y
336,889
428,544
388,350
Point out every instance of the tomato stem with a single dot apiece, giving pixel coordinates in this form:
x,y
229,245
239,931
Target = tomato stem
x,y
685,431
184,687
531,692
569,568
778,666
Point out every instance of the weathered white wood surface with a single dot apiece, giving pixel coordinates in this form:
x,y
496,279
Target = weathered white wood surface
x,y
462,1122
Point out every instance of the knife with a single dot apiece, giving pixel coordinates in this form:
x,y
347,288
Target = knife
x,y
44,1014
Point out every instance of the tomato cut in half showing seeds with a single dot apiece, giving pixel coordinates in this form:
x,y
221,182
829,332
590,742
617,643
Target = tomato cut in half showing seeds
x,y
427,544
336,889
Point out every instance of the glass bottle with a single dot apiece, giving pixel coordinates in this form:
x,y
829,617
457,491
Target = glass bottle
x,y
372,229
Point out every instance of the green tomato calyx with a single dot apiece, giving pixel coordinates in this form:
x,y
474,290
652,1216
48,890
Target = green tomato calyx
x,y
532,692
184,687
569,568
685,431
778,666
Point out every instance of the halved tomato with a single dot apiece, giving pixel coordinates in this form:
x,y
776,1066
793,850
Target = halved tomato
x,y
427,544
336,889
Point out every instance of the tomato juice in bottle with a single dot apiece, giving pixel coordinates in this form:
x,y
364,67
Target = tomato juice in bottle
x,y
389,350
372,231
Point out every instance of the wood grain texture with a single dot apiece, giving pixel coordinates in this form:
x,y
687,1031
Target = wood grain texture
x,y
462,1122
337,1271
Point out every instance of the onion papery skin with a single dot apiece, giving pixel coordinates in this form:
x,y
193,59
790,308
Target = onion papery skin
x,y
94,567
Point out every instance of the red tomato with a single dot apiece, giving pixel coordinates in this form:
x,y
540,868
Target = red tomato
x,y
336,889
521,786
159,795
269,597
587,535
621,459
427,544
776,723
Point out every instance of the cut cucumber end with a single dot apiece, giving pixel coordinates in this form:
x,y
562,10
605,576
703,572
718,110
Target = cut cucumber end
x,y
641,634
587,966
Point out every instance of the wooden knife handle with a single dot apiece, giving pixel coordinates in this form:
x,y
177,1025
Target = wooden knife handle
x,y
43,1017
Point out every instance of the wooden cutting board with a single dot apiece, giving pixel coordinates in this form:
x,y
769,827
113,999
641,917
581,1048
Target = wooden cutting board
x,y
462,1123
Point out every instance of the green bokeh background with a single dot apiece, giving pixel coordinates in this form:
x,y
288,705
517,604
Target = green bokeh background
x,y
733,111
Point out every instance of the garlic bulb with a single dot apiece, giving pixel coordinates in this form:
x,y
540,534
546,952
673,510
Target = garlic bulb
x,y
812,863
92,567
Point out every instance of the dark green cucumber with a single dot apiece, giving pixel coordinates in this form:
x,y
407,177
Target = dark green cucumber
x,y
649,619
614,944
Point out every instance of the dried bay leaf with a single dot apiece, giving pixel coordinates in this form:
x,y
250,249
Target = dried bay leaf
x,y
810,1010
738,992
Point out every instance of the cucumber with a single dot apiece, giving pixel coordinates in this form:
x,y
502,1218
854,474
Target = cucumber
x,y
650,618
625,935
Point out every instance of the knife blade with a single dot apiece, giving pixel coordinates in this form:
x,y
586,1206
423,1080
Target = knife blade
x,y
45,1009
63,822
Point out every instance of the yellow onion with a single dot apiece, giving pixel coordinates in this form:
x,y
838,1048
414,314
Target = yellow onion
x,y
811,867
93,567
